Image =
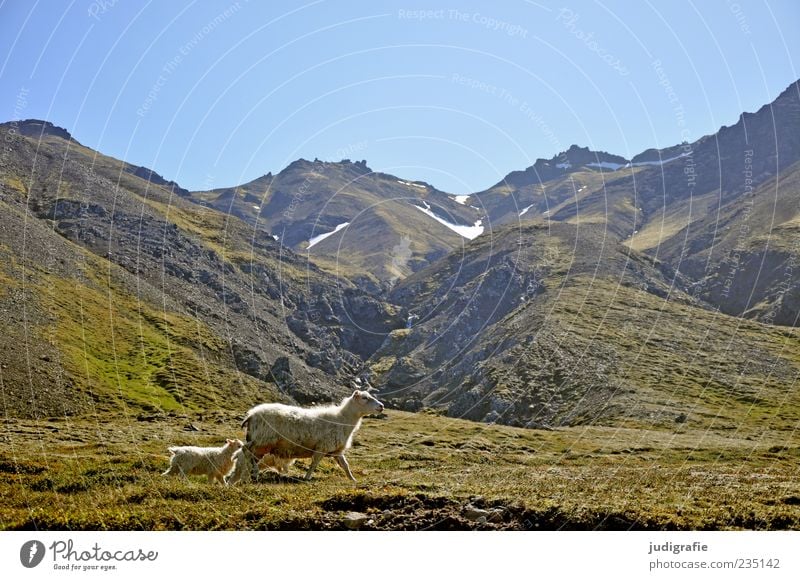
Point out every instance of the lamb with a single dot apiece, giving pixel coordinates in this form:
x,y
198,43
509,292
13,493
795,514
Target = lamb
x,y
279,464
287,432
214,462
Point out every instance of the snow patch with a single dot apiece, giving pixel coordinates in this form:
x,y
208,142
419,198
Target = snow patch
x,y
566,165
317,239
606,165
257,207
469,232
417,185
524,211
462,199
662,162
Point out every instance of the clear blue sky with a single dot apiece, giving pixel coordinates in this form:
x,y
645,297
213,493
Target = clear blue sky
x,y
213,94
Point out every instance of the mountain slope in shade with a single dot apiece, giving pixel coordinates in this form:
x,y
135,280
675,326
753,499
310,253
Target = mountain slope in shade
x,y
679,204
746,254
386,238
728,224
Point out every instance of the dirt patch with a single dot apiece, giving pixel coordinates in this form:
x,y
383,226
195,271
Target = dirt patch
x,y
422,512
20,468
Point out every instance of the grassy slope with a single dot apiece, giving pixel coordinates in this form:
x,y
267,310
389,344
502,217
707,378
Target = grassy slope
x,y
415,471
115,342
723,372
123,352
126,352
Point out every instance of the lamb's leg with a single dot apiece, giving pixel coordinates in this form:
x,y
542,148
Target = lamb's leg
x,y
344,465
235,476
315,459
242,468
175,469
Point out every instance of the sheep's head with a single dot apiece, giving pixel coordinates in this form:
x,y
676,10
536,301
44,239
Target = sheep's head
x,y
366,402
234,444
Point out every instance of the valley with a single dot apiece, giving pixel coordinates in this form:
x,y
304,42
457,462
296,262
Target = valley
x,y
588,324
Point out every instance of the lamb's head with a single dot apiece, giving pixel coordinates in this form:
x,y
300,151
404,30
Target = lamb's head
x,y
233,444
366,403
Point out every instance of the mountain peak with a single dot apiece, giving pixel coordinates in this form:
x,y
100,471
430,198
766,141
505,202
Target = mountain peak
x,y
790,93
345,164
570,160
577,156
149,175
39,128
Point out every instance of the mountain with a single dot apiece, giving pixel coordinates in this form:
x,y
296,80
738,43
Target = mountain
x,y
594,289
372,227
376,229
699,207
544,189
737,234
116,293
710,227
557,324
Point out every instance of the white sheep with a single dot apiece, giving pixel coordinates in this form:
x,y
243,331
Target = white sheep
x,y
214,462
287,432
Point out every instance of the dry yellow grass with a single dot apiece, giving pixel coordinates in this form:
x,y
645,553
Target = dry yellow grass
x,y
414,471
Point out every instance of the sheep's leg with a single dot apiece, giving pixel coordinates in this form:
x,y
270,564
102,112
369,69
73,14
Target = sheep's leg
x,y
315,459
344,465
175,470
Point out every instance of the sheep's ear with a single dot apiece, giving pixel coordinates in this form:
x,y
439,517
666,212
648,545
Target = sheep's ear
x,y
357,394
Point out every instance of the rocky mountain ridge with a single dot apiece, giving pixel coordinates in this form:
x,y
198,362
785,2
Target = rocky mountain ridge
x,y
520,304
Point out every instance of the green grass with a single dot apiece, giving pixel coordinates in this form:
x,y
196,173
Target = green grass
x,y
14,182
122,351
7,262
723,371
414,471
